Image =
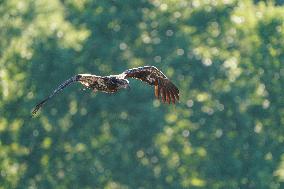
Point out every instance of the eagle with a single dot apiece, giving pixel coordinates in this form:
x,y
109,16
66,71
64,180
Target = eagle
x,y
165,90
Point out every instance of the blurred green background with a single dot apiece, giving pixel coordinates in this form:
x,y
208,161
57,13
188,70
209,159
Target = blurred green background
x,y
225,56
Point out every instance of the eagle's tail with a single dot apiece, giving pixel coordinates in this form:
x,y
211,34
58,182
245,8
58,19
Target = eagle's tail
x,y
59,88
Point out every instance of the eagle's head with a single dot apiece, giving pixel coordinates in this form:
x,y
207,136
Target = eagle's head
x,y
123,84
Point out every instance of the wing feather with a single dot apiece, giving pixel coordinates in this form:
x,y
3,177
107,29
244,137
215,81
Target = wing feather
x,y
168,96
57,90
156,89
164,88
86,79
172,97
163,96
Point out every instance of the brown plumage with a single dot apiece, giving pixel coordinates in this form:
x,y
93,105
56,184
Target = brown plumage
x,y
164,88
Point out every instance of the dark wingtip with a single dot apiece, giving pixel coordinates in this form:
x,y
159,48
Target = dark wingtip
x,y
37,107
175,91
166,91
35,110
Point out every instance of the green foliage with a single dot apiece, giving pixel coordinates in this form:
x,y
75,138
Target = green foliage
x,y
226,57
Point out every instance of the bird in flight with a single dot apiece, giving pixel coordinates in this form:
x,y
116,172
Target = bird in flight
x,y
164,88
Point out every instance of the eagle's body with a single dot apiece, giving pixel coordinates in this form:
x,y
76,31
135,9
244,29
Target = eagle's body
x,y
107,84
164,88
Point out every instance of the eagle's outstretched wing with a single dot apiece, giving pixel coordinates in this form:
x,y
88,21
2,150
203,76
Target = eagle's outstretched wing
x,y
87,80
164,88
